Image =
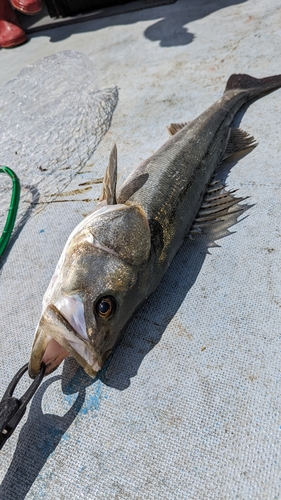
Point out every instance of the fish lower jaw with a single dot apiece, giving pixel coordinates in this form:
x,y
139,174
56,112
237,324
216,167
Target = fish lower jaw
x,y
54,341
55,353
53,356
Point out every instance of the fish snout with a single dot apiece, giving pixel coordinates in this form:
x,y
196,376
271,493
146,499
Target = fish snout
x,y
55,339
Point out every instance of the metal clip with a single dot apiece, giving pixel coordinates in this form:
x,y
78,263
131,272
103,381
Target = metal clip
x,y
13,409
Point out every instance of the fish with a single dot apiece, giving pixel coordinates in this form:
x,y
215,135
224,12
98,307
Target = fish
x,y
115,258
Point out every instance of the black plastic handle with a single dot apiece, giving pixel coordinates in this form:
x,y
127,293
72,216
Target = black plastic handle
x,y
13,409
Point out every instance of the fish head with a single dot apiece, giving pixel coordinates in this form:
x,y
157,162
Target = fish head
x,y
97,285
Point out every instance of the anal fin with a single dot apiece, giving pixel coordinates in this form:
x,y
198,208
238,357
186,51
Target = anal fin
x,y
218,205
239,144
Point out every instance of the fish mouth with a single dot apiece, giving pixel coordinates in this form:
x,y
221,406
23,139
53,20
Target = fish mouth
x,y
56,339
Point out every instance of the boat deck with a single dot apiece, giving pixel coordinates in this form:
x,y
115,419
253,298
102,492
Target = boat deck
x,y
189,406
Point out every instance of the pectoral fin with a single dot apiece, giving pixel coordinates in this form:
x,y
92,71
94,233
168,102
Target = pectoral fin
x,y
110,179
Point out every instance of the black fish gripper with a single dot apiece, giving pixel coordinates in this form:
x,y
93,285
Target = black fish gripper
x,y
13,409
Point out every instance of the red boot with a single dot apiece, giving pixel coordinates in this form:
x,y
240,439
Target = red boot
x,y
27,6
11,34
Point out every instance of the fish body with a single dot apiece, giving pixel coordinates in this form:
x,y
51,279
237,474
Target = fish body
x,y
116,257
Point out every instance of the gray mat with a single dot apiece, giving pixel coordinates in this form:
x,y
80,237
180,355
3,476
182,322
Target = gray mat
x,y
188,407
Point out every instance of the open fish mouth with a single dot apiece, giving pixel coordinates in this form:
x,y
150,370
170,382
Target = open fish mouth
x,y
55,339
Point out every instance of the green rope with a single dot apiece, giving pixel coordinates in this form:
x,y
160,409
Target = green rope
x,y
12,212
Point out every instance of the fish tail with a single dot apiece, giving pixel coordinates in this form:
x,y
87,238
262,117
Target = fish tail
x,y
255,86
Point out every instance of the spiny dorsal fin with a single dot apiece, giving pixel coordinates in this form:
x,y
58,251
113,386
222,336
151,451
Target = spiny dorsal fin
x,y
239,144
218,204
173,128
110,179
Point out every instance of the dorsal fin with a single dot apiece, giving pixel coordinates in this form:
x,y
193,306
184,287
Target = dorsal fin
x,y
110,179
173,128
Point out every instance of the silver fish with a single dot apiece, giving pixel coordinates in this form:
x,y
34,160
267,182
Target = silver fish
x,y
116,256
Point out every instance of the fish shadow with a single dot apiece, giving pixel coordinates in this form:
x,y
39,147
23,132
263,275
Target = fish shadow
x,y
145,331
42,433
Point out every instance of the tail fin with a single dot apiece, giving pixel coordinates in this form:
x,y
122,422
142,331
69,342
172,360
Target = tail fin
x,y
255,86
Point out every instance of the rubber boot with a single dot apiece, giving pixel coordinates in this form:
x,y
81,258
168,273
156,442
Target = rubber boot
x,y
30,7
11,34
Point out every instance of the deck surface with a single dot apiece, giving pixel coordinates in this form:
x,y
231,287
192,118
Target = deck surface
x,y
189,407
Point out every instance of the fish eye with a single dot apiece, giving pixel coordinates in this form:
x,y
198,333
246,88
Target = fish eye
x,y
105,307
